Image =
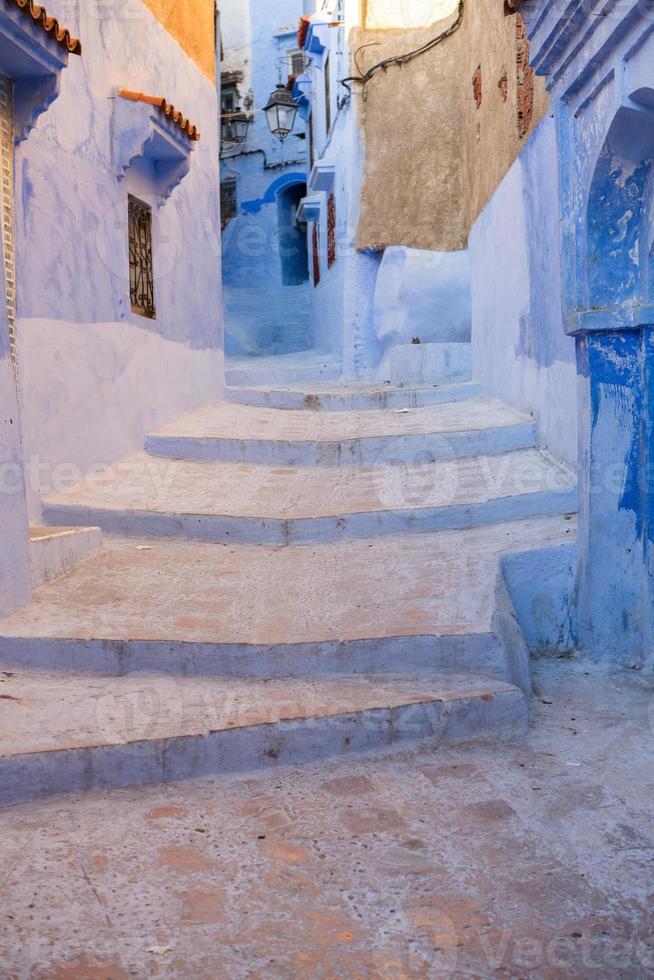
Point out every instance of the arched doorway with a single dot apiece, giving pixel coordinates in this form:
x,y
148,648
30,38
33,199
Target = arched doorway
x,y
615,344
292,232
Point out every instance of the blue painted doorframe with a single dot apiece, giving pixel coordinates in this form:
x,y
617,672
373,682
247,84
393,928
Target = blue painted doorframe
x,y
598,57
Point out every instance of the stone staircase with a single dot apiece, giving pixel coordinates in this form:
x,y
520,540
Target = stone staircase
x,y
301,570
308,366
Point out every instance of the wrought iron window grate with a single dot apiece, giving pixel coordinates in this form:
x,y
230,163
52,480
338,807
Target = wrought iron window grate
x,y
141,269
297,62
228,200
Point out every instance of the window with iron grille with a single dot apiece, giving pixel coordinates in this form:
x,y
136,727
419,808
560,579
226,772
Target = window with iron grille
x,y
228,200
141,269
296,62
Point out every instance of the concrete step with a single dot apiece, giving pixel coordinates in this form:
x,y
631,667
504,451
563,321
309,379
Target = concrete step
x,y
350,396
395,602
55,550
62,733
217,501
421,364
240,433
299,367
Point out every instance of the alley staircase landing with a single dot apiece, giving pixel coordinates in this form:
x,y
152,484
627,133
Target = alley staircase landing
x,y
290,574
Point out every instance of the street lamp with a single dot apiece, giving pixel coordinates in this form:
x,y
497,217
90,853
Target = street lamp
x,y
235,126
281,112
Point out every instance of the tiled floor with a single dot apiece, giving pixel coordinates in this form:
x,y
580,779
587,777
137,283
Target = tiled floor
x,y
522,859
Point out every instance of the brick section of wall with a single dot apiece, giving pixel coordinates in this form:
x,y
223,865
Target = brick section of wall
x,y
525,76
331,231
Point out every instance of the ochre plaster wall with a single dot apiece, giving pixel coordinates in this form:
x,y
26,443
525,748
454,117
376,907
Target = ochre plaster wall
x,y
433,159
192,24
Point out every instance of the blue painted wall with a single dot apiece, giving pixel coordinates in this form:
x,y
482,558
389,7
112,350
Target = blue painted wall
x,y
94,377
520,351
542,585
15,585
599,71
265,312
30,98
342,302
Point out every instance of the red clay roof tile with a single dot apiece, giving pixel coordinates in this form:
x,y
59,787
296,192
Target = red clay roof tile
x,y
166,109
303,30
50,25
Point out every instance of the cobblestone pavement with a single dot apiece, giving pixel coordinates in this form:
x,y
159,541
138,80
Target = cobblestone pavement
x,y
523,859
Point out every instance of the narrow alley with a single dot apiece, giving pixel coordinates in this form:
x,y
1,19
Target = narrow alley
x,y
326,500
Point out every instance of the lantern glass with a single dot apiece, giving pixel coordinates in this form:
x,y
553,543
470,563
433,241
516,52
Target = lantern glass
x,y
235,126
271,116
240,127
281,112
286,119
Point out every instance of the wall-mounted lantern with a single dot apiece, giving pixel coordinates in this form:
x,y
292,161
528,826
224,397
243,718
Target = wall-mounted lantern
x,y
281,112
235,126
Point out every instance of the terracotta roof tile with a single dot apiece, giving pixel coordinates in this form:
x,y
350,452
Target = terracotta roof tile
x,y
166,109
50,25
303,30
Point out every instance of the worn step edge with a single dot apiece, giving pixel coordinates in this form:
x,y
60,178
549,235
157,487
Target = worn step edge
x,y
289,399
348,452
473,652
287,373
55,551
38,775
278,531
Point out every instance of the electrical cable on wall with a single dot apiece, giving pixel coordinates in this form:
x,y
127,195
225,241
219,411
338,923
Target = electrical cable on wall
x,y
364,78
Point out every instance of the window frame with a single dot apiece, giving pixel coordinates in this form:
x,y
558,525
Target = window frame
x,y
141,246
292,55
232,183
232,91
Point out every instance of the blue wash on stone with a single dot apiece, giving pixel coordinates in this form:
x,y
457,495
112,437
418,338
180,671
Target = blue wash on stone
x,y
266,304
273,189
601,82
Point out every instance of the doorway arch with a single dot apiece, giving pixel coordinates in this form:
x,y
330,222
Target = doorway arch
x,y
292,235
